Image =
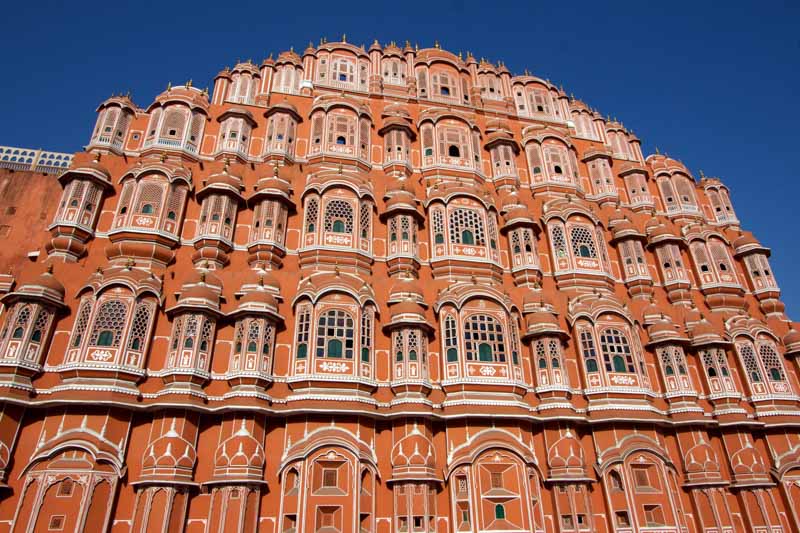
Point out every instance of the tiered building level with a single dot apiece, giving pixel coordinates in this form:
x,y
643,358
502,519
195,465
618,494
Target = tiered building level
x,y
391,290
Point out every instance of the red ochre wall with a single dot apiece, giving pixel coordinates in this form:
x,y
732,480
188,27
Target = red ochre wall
x,y
144,419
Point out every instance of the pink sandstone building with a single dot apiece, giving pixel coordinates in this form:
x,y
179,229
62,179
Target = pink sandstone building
x,y
385,289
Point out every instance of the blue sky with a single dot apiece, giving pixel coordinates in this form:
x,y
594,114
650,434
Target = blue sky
x,y
713,84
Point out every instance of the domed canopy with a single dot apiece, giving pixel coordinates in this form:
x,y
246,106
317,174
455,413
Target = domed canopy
x,y
169,458
44,287
703,333
401,200
284,107
540,317
201,291
185,94
625,229
277,186
239,457
665,331
414,458
746,243
222,182
792,341
92,170
565,458
408,288
259,294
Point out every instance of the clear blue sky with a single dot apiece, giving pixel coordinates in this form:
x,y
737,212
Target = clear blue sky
x,y
711,83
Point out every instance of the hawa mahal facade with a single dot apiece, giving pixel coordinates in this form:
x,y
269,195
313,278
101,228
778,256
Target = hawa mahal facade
x,y
385,289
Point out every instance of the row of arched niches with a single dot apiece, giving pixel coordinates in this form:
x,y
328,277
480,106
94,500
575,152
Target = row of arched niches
x,y
405,231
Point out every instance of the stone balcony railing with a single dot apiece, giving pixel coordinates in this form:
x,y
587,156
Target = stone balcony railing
x,y
34,160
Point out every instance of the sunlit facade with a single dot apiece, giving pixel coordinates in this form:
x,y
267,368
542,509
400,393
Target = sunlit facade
x,y
385,289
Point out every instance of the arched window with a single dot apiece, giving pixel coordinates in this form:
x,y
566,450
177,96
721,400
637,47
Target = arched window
x,y
303,329
311,215
589,351
341,140
339,216
750,362
583,244
140,326
450,339
366,334
453,151
466,227
105,338
109,323
335,335
484,339
334,348
147,209
499,511
617,354
771,361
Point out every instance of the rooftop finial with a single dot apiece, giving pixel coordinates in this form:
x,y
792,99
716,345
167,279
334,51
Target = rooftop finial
x,y
169,85
344,37
436,43
189,83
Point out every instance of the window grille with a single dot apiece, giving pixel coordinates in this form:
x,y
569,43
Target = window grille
x,y
111,317
748,356
484,339
463,221
616,349
335,334
771,361
140,326
582,242
339,210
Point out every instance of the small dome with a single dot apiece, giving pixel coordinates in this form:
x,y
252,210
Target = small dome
x,y
701,459
289,56
259,297
283,106
565,456
246,66
222,182
664,330
241,450
542,320
703,332
651,313
259,293
45,287
407,308
414,450
201,290
404,288
748,462
519,215
186,94
277,186
792,341
624,228
47,281
169,451
746,242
